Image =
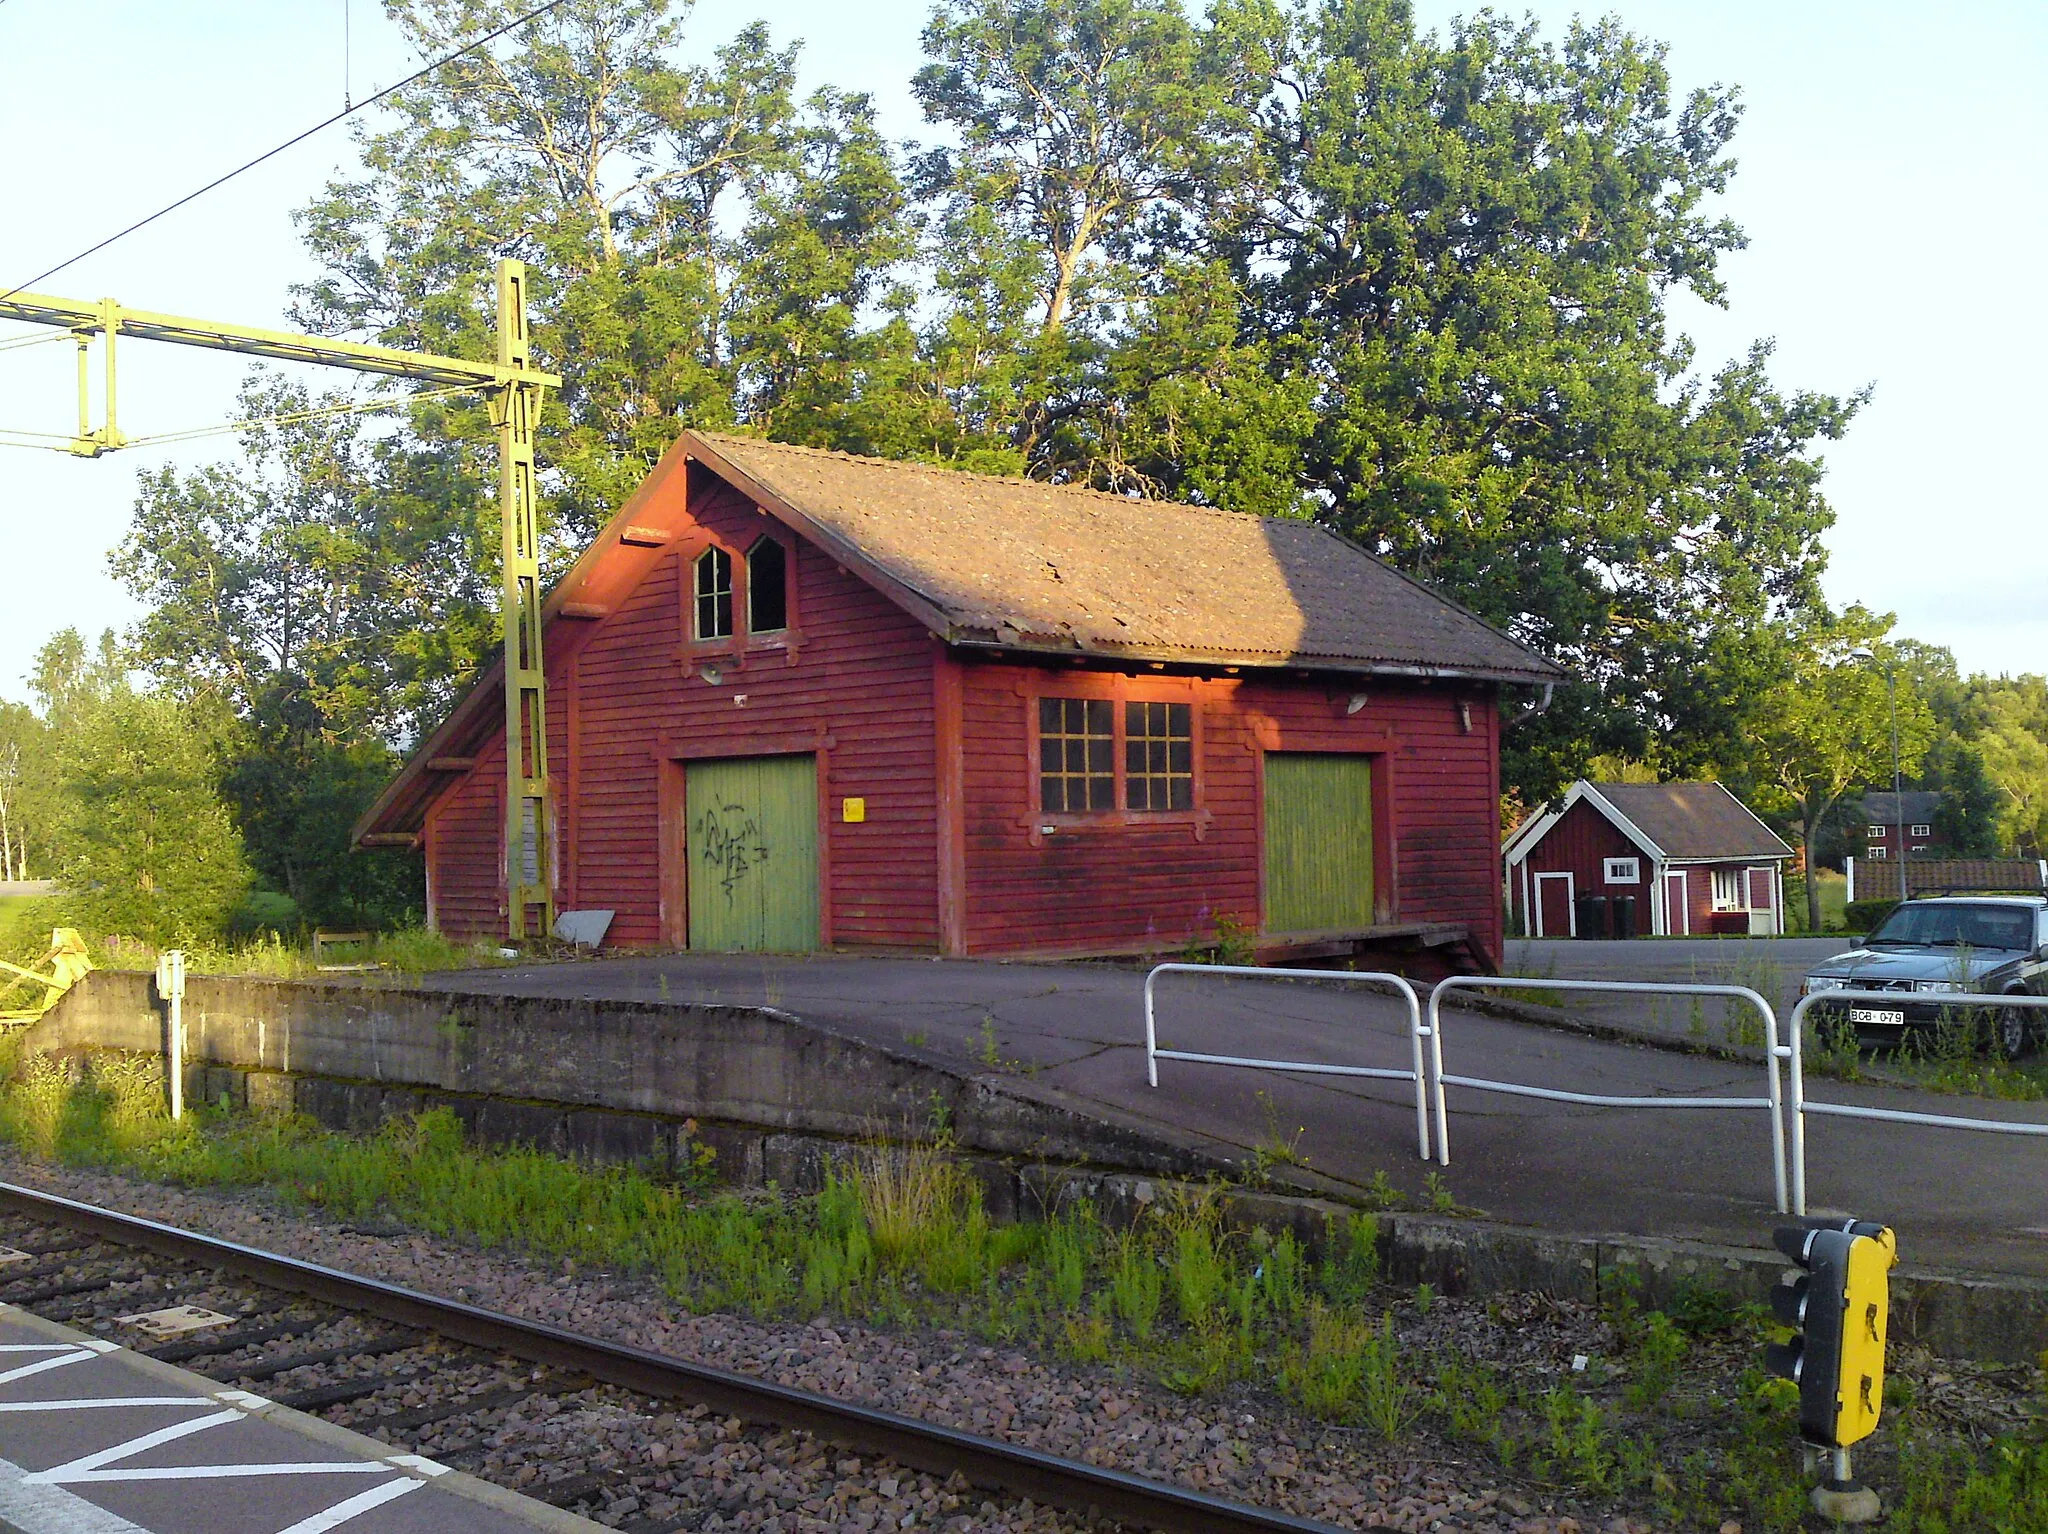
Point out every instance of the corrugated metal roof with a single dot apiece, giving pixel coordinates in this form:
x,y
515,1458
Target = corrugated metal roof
x,y
1022,564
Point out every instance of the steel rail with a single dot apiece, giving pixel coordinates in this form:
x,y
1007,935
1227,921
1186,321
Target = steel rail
x,y
1089,1490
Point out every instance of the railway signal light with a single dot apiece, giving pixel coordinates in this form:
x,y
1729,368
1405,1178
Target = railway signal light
x,y
1837,1312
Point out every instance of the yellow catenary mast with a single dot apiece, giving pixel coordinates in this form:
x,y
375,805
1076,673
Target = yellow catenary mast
x,y
514,388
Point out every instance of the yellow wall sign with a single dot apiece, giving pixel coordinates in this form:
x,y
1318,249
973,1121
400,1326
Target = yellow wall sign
x,y
853,811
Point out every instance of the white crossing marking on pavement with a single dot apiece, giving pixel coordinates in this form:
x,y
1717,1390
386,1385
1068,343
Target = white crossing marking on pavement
x,y
35,1347
90,1402
233,1472
53,1510
77,1469
72,1356
362,1502
417,1462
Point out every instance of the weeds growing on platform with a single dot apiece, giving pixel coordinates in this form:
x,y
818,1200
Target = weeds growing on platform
x,y
393,955
1668,1414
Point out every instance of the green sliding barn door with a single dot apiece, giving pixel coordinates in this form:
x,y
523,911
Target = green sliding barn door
x,y
753,849
1318,841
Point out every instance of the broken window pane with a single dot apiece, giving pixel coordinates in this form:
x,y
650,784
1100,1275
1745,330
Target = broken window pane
x,y
767,587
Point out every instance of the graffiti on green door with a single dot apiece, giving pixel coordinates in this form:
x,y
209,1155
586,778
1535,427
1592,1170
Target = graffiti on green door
x,y
753,854
730,845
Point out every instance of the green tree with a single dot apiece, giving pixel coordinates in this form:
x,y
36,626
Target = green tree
x,y
1091,135
310,571
2014,749
661,204
321,622
1827,726
148,849
1471,240
25,782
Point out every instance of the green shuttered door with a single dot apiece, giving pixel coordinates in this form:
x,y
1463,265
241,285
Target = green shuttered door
x,y
1318,842
753,849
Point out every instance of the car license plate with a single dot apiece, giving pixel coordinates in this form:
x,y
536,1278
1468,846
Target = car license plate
x,y
1877,1017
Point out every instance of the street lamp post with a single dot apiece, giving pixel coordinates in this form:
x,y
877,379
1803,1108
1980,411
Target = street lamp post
x,y
1891,695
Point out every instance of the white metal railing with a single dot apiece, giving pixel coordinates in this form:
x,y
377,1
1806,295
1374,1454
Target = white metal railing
x,y
1154,1054
1801,1105
1774,1052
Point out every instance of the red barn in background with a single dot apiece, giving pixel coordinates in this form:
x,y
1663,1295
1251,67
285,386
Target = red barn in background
x,y
803,700
1646,860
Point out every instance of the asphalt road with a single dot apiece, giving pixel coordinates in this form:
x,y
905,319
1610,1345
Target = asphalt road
x,y
1772,967
1961,1200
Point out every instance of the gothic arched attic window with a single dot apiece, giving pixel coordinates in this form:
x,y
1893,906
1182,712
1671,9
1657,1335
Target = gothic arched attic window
x,y
767,587
714,594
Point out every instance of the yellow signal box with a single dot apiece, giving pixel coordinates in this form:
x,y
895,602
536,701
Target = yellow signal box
x,y
1866,1303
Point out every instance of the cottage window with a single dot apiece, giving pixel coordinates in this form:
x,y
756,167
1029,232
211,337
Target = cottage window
x,y
714,594
1076,755
1624,871
1875,833
1877,854
1923,830
767,587
1159,756
1728,889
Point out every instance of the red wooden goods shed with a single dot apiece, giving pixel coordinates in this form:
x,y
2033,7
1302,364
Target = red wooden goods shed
x,y
803,700
1646,860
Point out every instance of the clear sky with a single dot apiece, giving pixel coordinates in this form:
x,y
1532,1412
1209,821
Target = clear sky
x,y
1892,185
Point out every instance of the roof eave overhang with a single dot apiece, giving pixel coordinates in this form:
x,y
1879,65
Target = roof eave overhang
x,y
983,639
1729,857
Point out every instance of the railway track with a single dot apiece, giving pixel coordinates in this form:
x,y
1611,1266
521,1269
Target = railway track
x,y
641,1440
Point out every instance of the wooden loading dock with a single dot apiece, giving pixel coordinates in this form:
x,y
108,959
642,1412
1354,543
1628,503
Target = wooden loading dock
x,y
803,700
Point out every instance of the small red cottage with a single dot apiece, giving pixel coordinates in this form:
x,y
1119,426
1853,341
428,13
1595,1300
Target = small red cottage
x,y
1646,859
801,700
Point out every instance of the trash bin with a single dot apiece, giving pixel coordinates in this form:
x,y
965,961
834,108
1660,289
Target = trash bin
x,y
1624,912
1592,916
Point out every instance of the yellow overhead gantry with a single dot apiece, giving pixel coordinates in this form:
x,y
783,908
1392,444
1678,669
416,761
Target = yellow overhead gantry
x,y
514,388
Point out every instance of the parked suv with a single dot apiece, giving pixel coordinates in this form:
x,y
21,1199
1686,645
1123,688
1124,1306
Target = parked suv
x,y
1996,945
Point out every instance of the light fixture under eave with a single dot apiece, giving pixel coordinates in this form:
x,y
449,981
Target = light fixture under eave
x,y
1358,701
713,675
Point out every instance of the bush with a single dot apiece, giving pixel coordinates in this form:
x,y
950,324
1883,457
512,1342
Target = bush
x,y
1864,915
262,912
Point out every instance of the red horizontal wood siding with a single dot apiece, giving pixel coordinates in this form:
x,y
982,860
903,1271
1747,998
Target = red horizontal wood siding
x,y
1106,886
1580,844
858,680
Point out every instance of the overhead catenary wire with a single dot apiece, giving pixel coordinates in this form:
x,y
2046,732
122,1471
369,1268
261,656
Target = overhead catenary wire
x,y
61,442
269,154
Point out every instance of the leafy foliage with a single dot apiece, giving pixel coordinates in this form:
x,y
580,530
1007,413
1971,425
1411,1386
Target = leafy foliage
x,y
147,846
